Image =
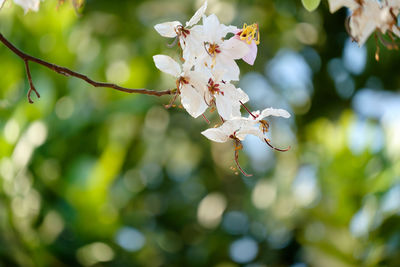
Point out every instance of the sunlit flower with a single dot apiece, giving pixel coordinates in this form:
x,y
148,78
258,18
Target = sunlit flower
x,y
190,36
236,129
240,127
224,95
220,54
187,83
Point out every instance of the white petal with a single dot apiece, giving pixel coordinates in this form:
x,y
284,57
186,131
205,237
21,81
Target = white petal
x,y
167,29
235,48
2,3
251,55
197,16
167,64
215,31
228,104
334,5
192,45
28,4
192,101
242,96
216,135
224,106
229,66
274,112
243,132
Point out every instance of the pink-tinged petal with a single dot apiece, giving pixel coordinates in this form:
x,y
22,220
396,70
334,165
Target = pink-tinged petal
x,y
251,56
167,29
216,135
197,16
167,64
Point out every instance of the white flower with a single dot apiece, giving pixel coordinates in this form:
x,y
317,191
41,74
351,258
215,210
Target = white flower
x,y
235,128
190,36
220,54
188,83
225,95
240,127
25,4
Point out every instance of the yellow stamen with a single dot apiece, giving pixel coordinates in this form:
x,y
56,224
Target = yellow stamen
x,y
250,33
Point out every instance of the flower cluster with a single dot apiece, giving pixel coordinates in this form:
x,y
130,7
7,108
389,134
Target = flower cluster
x,y
369,16
208,68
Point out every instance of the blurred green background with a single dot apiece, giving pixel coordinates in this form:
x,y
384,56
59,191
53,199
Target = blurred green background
x,y
95,177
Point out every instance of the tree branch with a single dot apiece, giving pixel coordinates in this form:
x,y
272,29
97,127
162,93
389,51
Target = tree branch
x,y
67,72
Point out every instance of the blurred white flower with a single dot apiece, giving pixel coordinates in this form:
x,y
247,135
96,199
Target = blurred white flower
x,y
369,16
25,4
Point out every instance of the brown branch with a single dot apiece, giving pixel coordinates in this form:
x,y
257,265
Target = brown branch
x,y
67,72
31,86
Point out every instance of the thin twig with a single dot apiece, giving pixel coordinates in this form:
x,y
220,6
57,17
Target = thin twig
x,y
31,86
277,149
238,147
241,103
238,165
67,72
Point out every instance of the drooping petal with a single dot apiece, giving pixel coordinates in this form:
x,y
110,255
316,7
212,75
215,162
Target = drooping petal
x,y
251,55
249,130
197,16
167,29
28,4
192,101
216,135
167,64
361,28
274,112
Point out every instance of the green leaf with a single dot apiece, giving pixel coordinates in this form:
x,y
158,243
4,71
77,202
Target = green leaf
x,y
311,5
